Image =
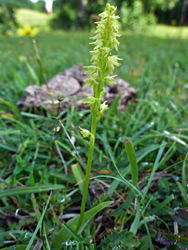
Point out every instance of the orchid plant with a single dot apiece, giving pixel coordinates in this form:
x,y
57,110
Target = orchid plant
x,y
101,72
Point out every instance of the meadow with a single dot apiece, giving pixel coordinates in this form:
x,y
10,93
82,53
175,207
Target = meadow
x,y
32,173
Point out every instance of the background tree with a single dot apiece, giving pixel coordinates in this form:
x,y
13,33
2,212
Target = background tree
x,y
183,13
49,6
65,14
73,13
8,8
40,6
81,11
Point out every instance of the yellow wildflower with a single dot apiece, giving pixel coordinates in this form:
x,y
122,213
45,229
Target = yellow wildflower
x,y
174,22
27,30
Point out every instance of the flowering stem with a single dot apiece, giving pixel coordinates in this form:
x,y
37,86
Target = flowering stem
x,y
88,170
103,63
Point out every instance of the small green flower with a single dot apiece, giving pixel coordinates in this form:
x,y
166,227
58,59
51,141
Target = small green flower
x,y
84,132
90,81
103,107
91,69
89,100
110,80
112,61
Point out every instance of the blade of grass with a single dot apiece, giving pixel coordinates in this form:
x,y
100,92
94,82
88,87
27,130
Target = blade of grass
x,y
184,172
68,178
8,147
71,152
28,190
35,207
183,109
168,97
11,106
9,132
142,130
162,204
33,116
126,182
38,225
45,236
183,192
125,205
135,224
166,209
155,167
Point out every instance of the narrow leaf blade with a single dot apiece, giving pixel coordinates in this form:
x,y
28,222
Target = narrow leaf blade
x,y
129,148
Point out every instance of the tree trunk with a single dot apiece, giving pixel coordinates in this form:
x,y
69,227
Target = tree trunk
x,y
80,15
183,13
48,6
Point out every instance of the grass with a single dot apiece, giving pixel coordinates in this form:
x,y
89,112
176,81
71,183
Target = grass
x,y
164,31
32,17
156,124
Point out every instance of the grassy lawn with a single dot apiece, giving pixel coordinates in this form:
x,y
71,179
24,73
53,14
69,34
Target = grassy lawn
x,y
32,17
155,63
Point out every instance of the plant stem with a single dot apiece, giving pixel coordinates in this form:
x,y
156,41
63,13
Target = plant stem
x,y
88,170
102,65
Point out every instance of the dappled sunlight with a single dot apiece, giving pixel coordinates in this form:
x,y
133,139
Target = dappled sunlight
x,y
32,17
164,31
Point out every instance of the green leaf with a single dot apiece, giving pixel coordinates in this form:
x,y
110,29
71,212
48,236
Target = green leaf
x,y
33,116
32,72
79,176
28,190
132,159
72,233
31,180
135,224
64,177
64,235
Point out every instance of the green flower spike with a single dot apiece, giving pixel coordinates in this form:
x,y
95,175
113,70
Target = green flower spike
x,y
103,64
